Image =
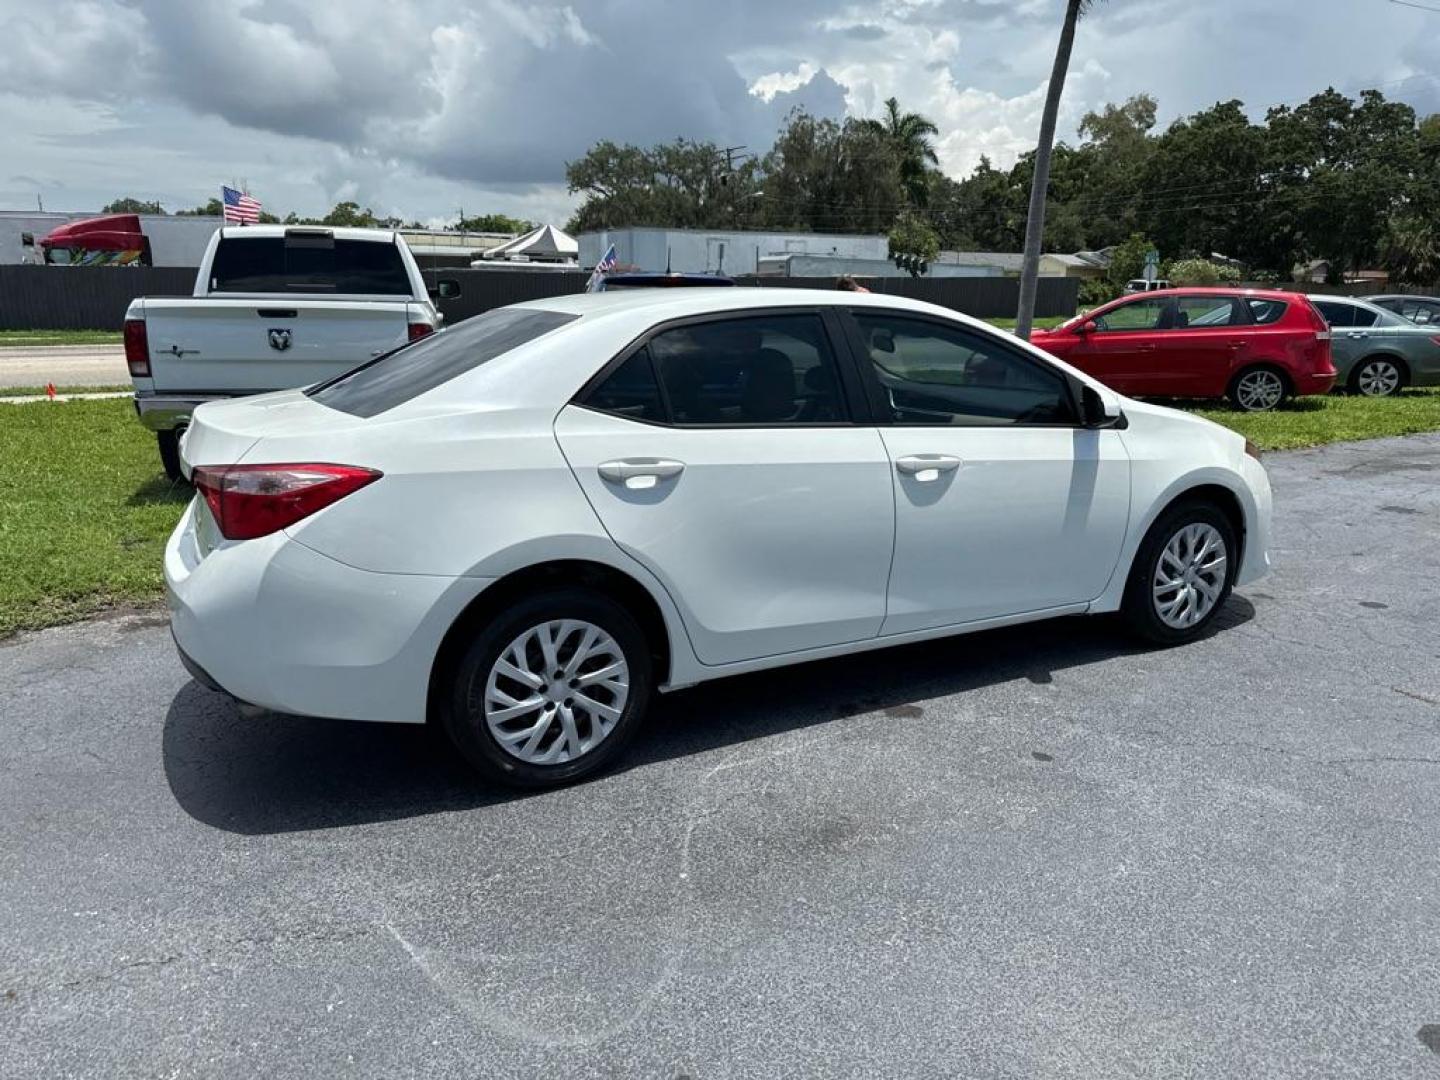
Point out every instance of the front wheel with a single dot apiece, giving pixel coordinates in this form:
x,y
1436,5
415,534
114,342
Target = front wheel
x,y
1182,574
1379,376
551,690
1258,389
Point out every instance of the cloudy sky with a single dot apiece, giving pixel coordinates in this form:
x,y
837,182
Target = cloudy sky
x,y
421,107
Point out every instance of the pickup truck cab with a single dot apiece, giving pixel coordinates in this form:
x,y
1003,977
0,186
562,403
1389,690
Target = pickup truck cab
x,y
274,307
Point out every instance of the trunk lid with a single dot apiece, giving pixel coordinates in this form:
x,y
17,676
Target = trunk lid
x,y
223,432
204,344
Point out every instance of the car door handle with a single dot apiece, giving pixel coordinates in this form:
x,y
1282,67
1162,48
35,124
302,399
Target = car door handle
x,y
1144,348
640,473
926,467
1357,334
1236,344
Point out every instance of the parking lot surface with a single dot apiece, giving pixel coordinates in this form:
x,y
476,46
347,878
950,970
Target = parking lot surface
x,y
1039,852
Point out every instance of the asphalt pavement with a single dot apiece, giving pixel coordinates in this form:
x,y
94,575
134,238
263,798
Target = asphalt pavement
x,y
1040,852
64,365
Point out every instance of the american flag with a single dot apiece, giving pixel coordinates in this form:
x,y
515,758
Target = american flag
x,y
603,267
240,206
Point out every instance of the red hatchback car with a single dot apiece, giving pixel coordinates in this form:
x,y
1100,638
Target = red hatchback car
x,y
1254,346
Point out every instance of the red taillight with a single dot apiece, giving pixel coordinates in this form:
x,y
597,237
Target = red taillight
x,y
1436,340
1317,320
255,500
419,330
137,348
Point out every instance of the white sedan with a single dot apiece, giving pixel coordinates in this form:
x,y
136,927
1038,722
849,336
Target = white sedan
x,y
522,527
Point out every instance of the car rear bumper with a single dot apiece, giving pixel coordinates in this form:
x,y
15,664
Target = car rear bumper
x,y
1306,385
165,412
275,623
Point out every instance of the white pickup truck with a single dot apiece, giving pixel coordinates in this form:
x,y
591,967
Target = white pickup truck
x,y
274,307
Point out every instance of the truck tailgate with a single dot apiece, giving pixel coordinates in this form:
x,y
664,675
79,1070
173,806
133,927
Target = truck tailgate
x,y
227,346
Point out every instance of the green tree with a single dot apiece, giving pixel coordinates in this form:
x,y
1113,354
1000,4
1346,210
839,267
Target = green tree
x,y
1199,272
350,215
1035,219
1127,262
499,223
909,137
129,205
825,176
213,208
682,184
913,244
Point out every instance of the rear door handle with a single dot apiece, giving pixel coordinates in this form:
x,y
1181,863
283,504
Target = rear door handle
x,y
638,474
1144,348
1358,334
926,467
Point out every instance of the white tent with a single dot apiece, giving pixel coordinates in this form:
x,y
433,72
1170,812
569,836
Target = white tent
x,y
546,243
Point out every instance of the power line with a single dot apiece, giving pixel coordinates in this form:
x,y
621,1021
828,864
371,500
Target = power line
x,y
1417,7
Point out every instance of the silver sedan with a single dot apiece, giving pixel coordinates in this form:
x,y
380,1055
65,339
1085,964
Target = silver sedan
x,y
1376,352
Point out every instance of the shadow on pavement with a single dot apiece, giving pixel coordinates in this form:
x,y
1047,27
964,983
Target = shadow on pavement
x,y
274,773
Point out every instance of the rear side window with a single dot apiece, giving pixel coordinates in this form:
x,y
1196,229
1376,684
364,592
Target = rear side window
x,y
408,372
313,262
630,391
1199,312
1266,311
1341,314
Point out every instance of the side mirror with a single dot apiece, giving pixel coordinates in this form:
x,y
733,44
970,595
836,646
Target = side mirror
x,y
446,289
883,340
1100,411
1089,326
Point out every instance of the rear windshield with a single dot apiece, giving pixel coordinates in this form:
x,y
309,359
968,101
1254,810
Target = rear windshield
x,y
411,370
313,263
1266,311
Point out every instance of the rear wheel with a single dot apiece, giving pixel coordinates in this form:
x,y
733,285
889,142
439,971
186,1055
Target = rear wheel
x,y
1377,376
551,690
169,452
1182,574
1258,389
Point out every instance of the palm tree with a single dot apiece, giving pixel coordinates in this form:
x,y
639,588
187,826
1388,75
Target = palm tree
x,y
1035,221
909,135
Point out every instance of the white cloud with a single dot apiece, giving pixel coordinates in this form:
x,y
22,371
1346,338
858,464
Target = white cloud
x,y
418,106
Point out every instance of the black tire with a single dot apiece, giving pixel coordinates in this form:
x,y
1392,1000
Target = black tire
x,y
1403,375
462,705
1138,609
1237,399
169,452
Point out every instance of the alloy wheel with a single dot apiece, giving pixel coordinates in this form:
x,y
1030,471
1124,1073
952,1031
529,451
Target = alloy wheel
x,y
556,691
1378,378
1259,390
1189,575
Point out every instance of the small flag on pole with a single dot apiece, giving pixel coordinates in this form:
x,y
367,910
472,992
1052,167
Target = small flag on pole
x,y
603,267
239,206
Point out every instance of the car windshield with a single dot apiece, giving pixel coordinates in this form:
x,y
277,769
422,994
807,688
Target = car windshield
x,y
411,370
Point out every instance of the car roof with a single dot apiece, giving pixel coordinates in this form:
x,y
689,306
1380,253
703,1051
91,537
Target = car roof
x,y
1215,290
1404,296
663,304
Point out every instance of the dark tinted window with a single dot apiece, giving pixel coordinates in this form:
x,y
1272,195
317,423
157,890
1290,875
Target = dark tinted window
x,y
1266,311
774,369
1202,311
408,372
630,391
936,374
308,263
1337,314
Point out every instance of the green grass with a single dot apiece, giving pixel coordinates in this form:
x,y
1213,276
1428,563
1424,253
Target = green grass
x,y
84,512
39,391
16,338
1046,323
1313,421
85,509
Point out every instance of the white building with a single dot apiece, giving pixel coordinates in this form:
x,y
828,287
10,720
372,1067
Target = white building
x,y
706,251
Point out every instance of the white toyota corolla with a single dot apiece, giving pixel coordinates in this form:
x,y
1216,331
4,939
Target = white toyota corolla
x,y
524,525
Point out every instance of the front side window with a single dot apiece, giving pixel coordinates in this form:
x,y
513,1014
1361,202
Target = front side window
x,y
772,369
1198,312
932,373
1337,314
1136,315
408,372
